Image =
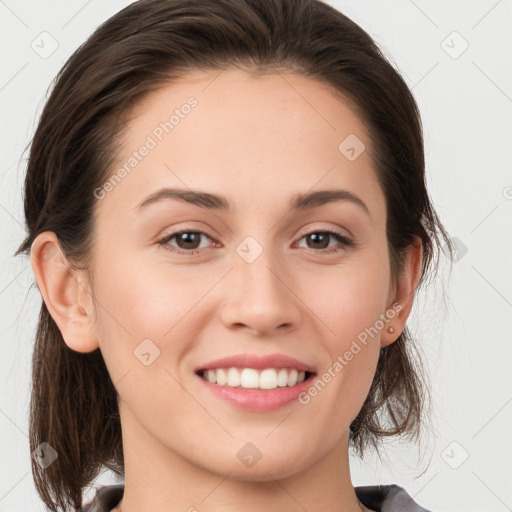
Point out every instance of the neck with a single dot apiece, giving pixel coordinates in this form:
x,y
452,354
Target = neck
x,y
157,478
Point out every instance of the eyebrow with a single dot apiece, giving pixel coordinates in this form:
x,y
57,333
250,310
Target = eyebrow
x,y
215,202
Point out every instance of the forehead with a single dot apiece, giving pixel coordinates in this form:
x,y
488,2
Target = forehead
x,y
238,135
242,101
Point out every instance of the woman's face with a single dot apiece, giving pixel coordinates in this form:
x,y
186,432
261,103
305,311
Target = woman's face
x,y
252,275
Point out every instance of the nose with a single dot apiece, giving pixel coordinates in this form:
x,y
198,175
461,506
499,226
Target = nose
x,y
260,297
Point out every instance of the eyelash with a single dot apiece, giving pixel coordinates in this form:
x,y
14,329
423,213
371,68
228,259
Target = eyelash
x,y
344,241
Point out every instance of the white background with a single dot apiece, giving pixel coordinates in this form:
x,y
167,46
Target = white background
x,y
464,325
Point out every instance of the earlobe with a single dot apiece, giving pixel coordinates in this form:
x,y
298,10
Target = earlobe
x,y
63,292
402,300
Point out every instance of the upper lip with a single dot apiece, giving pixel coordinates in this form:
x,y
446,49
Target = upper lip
x,y
257,362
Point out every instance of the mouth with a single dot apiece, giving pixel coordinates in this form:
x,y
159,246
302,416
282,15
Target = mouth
x,y
252,378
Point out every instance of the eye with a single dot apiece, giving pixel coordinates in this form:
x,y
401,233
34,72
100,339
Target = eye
x,y
320,240
187,241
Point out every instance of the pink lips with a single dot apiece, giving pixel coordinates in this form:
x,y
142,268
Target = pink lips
x,y
258,399
257,362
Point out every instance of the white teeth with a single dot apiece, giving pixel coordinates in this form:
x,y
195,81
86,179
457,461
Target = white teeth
x,y
292,377
268,379
249,378
233,378
282,378
222,378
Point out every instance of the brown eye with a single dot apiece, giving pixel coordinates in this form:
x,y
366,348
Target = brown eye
x,y
320,241
187,242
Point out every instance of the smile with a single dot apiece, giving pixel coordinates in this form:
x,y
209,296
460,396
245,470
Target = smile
x,y
251,378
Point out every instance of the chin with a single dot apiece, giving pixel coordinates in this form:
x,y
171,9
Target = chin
x,y
261,468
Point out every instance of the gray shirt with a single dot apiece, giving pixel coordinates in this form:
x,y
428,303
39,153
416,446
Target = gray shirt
x,y
380,498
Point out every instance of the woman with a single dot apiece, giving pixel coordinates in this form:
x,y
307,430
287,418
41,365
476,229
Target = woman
x,y
228,223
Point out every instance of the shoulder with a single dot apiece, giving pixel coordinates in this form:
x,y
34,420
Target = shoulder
x,y
105,499
387,498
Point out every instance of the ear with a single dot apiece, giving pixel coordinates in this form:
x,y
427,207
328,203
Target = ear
x,y
403,293
64,291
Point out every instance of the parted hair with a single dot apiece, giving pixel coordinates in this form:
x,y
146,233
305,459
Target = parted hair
x,y
149,44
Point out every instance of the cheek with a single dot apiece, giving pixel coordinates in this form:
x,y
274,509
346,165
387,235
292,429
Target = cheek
x,y
144,300
143,310
146,331
349,300
350,303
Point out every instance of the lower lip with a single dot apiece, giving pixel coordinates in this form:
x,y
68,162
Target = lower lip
x,y
258,399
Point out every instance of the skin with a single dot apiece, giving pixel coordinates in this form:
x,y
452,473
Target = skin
x,y
258,142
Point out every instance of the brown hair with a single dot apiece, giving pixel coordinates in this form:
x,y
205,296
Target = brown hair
x,y
74,402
